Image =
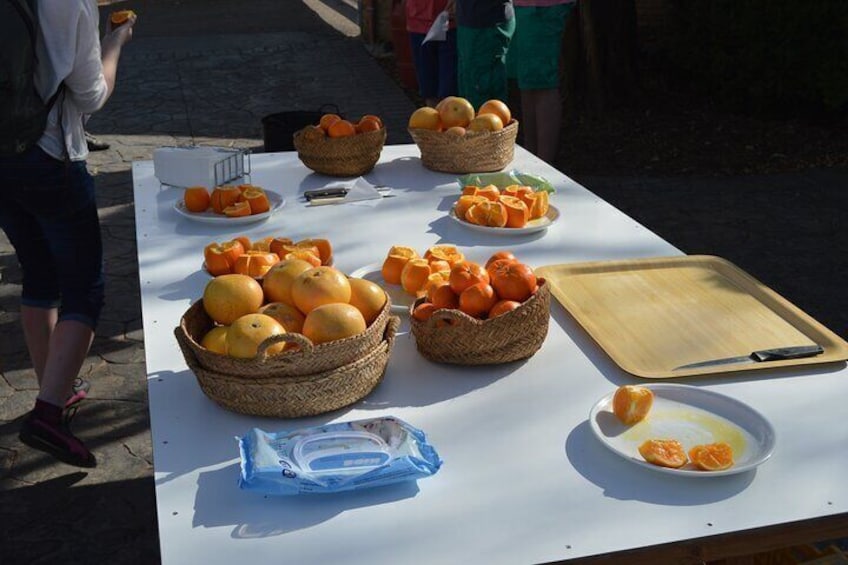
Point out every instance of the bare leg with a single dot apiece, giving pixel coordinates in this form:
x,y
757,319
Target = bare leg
x,y
69,345
38,324
542,130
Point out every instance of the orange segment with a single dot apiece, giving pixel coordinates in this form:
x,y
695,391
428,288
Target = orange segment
x,y
631,403
517,213
325,250
712,456
395,262
464,203
255,263
257,199
489,192
487,213
663,452
224,196
539,206
415,275
237,209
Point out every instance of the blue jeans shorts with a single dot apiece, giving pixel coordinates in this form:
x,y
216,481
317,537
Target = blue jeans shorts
x,y
49,213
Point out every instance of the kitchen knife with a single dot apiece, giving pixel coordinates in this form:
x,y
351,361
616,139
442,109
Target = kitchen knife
x,y
761,356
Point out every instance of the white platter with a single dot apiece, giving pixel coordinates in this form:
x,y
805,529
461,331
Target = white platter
x,y
401,301
693,416
209,217
532,226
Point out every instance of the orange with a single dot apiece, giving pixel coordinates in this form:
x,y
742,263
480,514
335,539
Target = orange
x,y
313,133
631,403
492,214
512,280
325,250
465,274
120,17
228,297
433,280
502,307
444,252
469,190
525,193
327,120
414,275
237,210
215,340
372,117
223,196
220,258
497,108
712,456
439,266
477,300
306,255
247,332
319,286
279,245
333,321
368,124
197,199
485,122
244,240
489,192
455,111
341,128
287,315
277,282
423,311
539,206
663,452
442,296
425,118
508,255
517,213
458,131
263,244
367,297
465,202
255,263
257,199
395,262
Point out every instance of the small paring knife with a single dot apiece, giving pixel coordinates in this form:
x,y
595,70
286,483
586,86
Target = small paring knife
x,y
761,356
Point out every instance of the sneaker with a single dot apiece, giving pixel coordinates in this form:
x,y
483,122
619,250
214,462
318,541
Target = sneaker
x,y
57,440
79,392
95,144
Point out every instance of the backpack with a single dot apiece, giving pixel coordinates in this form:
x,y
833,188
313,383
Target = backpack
x,y
23,113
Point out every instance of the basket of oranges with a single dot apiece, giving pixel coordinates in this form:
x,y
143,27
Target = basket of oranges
x,y
340,148
324,347
466,313
453,138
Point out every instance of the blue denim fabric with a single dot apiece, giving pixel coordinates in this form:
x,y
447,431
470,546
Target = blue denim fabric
x,y
49,213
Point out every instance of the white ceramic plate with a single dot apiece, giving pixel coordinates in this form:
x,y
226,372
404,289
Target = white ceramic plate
x,y
209,217
401,301
532,226
692,416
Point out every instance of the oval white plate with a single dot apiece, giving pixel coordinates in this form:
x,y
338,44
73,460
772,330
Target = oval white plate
x,y
401,301
692,416
532,226
209,217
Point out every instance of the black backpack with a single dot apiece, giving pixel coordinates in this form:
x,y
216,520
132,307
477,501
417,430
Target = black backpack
x,y
23,113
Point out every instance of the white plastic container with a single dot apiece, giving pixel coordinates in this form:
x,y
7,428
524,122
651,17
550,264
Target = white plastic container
x,y
198,166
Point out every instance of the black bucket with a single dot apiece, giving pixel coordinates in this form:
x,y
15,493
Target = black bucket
x,y
278,129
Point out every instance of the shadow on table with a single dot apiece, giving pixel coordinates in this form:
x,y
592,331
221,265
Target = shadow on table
x,y
603,468
219,502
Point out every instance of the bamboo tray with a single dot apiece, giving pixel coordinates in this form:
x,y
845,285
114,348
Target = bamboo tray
x,y
654,315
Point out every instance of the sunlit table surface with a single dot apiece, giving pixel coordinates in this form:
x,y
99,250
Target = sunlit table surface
x,y
524,479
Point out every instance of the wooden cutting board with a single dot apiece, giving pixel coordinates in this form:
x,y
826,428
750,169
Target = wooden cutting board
x,y
652,316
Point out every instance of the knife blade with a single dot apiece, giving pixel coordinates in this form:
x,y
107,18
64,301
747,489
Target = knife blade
x,y
761,356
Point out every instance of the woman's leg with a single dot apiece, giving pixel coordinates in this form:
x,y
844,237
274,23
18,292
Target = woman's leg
x,y
38,324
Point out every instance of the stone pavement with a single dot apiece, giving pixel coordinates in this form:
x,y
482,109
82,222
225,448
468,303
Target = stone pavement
x,y
206,72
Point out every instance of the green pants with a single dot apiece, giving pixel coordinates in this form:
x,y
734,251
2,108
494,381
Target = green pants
x,y
482,62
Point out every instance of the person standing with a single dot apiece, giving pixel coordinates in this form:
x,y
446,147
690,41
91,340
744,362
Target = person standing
x,y
534,62
484,32
49,214
435,61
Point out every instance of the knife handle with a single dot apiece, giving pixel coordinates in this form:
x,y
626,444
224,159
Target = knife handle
x,y
779,353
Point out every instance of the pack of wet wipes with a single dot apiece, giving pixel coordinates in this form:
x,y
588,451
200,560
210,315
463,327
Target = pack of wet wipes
x,y
335,457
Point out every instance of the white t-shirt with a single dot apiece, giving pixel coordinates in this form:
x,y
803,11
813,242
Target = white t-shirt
x,y
69,50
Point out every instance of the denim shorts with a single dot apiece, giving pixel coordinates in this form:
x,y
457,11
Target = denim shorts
x,y
49,213
435,65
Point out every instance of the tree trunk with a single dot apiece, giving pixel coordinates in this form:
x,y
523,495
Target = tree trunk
x,y
600,56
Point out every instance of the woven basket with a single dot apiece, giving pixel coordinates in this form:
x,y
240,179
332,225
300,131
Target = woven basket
x,y
307,360
475,152
349,156
451,336
298,396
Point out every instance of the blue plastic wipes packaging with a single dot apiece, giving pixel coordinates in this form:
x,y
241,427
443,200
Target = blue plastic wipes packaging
x,y
335,457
